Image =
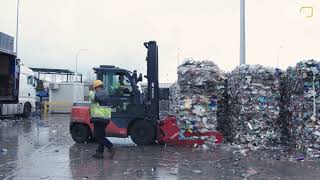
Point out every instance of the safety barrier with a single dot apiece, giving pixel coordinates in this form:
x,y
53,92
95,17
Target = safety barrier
x,y
50,106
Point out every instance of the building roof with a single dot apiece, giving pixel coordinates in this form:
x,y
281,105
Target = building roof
x,y
53,71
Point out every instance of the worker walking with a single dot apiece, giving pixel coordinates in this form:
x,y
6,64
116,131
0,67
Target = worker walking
x,y
100,114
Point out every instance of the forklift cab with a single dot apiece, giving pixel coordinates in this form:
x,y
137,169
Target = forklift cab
x,y
124,96
132,114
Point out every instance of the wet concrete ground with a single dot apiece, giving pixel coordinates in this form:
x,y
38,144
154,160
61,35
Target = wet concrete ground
x,y
43,149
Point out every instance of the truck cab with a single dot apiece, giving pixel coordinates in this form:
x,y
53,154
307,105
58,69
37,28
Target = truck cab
x,y
27,95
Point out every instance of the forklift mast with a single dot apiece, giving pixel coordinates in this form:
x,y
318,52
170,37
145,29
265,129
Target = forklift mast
x,y
152,98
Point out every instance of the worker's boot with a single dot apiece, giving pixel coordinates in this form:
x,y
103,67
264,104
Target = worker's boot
x,y
98,155
112,152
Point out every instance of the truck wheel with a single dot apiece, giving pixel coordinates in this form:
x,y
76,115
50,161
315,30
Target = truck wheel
x,y
26,110
142,133
80,133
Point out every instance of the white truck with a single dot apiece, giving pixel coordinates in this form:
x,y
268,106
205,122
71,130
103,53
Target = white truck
x,y
9,71
27,95
17,82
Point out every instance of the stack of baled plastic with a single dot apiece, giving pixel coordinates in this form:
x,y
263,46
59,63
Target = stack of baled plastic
x,y
303,106
254,100
197,98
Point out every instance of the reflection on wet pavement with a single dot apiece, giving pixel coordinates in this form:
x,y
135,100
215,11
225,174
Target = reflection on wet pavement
x,y
43,149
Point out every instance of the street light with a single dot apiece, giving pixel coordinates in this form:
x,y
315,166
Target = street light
x,y
76,73
75,94
278,53
17,28
242,32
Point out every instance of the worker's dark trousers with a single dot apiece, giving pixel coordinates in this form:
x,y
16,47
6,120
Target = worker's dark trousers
x,y
100,135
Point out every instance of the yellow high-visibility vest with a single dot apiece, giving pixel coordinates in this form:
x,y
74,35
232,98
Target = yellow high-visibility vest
x,y
97,111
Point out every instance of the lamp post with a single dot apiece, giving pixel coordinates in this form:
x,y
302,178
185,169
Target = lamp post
x,y
17,28
278,53
75,94
242,32
76,73
178,56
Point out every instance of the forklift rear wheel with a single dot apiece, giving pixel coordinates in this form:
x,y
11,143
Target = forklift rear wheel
x,y
80,133
142,133
26,110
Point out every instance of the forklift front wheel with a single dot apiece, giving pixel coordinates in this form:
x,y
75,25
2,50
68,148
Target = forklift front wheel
x,y
142,133
80,133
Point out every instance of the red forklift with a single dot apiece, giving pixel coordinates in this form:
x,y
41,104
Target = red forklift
x,y
135,112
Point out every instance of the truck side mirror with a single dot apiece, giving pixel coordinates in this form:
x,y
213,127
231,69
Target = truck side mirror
x,y
35,83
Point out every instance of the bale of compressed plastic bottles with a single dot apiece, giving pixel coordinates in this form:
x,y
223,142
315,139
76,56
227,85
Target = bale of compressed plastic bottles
x,y
302,103
197,98
254,102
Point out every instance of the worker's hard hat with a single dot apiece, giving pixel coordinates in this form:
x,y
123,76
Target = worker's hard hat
x,y
97,83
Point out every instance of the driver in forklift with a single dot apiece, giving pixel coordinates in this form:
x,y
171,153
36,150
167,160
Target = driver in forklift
x,y
120,87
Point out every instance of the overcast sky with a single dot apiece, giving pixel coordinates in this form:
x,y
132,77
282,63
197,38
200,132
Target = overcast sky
x,y
113,31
